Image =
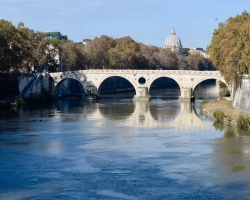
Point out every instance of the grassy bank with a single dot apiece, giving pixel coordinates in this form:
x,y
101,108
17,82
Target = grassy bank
x,y
221,110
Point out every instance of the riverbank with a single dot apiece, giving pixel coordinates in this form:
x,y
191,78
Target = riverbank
x,y
231,113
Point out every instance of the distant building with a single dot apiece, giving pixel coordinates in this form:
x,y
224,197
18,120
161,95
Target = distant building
x,y
196,50
173,42
55,35
86,42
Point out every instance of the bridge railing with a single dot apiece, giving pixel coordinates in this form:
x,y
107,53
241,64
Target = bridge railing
x,y
110,71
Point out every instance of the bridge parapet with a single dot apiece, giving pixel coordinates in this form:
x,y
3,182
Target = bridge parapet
x,y
114,71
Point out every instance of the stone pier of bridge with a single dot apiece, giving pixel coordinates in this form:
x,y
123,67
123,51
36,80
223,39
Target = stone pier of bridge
x,y
142,93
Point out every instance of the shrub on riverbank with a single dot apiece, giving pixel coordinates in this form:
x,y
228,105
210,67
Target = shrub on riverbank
x,y
219,115
243,122
231,115
203,102
224,93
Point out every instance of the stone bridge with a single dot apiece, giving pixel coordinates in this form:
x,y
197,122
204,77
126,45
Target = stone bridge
x,y
140,79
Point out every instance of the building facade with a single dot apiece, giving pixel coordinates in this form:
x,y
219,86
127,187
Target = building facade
x,y
196,50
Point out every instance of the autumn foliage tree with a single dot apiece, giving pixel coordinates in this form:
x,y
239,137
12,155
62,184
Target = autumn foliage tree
x,y
127,54
168,59
230,47
32,52
97,51
72,55
198,62
151,55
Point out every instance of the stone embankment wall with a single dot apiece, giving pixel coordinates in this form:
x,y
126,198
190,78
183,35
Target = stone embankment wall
x,y
242,95
33,84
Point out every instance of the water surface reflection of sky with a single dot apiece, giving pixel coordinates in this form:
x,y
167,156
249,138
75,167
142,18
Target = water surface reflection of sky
x,y
120,149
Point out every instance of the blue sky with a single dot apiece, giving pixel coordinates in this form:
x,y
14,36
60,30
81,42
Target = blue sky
x,y
146,21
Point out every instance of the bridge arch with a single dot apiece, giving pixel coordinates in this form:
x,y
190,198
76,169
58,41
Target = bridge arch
x,y
154,79
210,78
73,87
101,82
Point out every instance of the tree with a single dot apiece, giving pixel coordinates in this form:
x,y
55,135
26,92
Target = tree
x,y
168,59
98,51
82,58
127,54
198,62
32,53
184,51
71,55
10,48
51,50
230,47
150,53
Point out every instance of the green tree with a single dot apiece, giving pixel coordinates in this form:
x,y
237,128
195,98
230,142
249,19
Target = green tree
x,y
184,51
51,49
230,47
10,47
198,62
32,54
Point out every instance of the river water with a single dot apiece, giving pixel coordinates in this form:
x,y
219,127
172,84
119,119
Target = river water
x,y
115,148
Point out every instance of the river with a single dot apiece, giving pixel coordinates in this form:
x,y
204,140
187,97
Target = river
x,y
116,148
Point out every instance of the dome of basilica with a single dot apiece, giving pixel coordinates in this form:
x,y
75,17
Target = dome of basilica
x,y
173,42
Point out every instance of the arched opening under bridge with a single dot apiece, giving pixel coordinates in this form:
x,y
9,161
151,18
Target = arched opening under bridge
x,y
69,87
210,89
116,87
164,88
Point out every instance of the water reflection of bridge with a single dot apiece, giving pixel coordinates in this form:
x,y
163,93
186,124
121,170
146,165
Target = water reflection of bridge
x,y
182,116
172,114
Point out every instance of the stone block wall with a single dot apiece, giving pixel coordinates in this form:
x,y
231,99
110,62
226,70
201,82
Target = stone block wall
x,y
242,95
33,84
